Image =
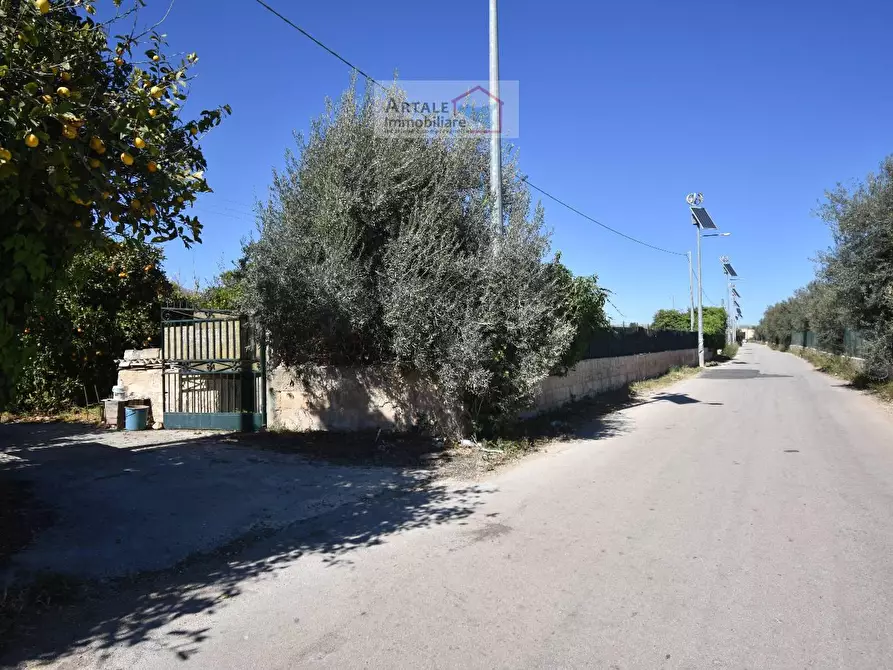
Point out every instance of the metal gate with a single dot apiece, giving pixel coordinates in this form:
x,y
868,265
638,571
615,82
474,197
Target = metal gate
x,y
213,372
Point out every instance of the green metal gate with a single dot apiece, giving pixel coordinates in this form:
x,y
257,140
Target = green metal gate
x,y
213,373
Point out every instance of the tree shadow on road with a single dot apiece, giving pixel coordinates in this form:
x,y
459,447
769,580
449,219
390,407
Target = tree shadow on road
x,y
203,480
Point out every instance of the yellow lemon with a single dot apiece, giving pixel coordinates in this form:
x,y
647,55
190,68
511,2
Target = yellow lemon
x,y
135,203
65,76
122,274
152,166
5,154
47,99
152,210
114,217
153,113
126,158
43,6
97,145
139,143
31,140
106,195
77,224
119,61
193,130
156,58
69,131
63,91
94,163
156,92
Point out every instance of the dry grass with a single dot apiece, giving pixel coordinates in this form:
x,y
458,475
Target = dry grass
x,y
839,366
846,368
86,415
676,374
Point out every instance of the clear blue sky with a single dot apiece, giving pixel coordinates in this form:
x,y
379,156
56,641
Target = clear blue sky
x,y
625,108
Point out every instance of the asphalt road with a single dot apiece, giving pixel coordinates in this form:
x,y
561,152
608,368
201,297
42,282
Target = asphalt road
x,y
742,519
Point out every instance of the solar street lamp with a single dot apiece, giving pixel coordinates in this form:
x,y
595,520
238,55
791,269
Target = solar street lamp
x,y
731,325
702,221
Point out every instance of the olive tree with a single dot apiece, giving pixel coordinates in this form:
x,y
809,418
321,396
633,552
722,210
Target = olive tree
x,y
382,250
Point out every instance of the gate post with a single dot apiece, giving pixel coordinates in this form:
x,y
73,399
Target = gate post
x,y
246,366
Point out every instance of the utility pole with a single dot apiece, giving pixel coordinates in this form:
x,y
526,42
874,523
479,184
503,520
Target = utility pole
x,y
730,324
700,304
691,297
495,126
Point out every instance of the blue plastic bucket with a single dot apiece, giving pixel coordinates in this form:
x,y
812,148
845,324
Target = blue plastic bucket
x,y
135,418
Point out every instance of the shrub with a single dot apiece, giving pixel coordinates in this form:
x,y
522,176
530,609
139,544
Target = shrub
x,y
109,300
382,250
730,350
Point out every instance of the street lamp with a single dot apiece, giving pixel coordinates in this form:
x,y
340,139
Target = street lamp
x,y
731,325
702,221
691,292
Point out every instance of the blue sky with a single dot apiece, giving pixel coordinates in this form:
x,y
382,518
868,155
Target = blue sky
x,y
625,108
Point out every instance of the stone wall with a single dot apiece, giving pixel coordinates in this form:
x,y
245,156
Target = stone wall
x,y
140,373
355,398
599,375
351,399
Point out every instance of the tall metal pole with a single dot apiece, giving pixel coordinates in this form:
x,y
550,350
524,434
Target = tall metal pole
x,y
691,297
495,126
729,313
700,304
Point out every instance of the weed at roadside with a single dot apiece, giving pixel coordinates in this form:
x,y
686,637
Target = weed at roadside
x,y
86,415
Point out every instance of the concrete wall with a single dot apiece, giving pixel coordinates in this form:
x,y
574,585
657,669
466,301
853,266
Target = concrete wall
x,y
599,375
368,398
351,398
140,373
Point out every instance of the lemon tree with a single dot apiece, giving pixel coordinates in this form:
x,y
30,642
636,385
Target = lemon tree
x,y
109,300
93,141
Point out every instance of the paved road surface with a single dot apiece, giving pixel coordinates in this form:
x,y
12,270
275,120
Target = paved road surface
x,y
744,519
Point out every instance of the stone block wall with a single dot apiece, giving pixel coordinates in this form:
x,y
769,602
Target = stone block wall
x,y
600,375
369,398
351,399
140,373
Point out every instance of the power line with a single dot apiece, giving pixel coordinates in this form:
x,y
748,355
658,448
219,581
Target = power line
x,y
525,179
598,223
317,42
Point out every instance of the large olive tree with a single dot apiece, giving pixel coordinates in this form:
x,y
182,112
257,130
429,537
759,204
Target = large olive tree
x,y
377,249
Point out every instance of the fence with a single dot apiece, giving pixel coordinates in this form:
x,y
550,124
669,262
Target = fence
x,y
630,341
853,342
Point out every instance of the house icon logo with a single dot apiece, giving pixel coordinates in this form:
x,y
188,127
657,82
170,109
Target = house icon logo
x,y
476,104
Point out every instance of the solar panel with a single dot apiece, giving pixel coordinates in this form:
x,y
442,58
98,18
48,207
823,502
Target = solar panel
x,y
735,293
700,217
729,270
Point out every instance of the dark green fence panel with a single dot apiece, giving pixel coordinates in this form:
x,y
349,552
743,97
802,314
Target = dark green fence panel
x,y
853,342
630,341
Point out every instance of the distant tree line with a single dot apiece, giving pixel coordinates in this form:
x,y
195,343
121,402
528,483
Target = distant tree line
x,y
714,319
853,288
